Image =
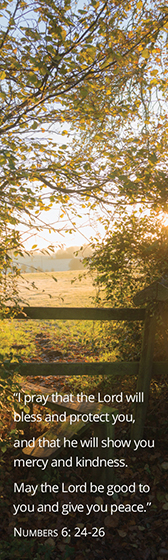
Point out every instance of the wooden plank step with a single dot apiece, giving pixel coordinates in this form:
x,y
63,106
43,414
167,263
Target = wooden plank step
x,y
157,291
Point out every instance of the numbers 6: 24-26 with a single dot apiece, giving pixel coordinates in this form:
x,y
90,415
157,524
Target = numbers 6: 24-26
x,y
84,532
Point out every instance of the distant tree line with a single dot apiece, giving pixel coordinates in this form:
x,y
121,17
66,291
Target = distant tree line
x,y
71,257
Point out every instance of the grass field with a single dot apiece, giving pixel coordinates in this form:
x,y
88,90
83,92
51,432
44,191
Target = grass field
x,y
74,340
42,290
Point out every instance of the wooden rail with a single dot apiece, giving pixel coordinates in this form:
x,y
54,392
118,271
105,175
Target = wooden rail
x,y
120,369
81,313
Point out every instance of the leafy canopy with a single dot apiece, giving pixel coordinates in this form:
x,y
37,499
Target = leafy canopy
x,y
99,69
97,76
133,254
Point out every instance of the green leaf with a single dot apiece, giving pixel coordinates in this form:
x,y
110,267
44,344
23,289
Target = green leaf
x,y
34,125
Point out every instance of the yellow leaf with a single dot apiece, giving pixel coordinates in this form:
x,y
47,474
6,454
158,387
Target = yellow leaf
x,y
145,53
2,75
154,81
139,5
63,32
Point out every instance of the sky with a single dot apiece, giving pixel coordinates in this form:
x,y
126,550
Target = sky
x,y
85,228
82,230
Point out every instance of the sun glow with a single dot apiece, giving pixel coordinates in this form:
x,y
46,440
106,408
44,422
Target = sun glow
x,y
164,219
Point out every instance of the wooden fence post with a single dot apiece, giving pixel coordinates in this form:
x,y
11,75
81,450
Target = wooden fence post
x,y
145,370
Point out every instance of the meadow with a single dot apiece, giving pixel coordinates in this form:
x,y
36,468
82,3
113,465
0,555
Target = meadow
x,y
57,289
57,340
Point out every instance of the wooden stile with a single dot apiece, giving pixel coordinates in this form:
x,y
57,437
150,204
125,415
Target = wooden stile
x,y
157,292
